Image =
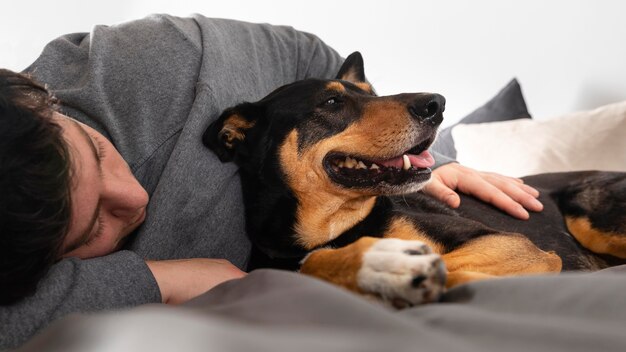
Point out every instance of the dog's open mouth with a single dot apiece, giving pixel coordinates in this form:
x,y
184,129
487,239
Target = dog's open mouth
x,y
355,171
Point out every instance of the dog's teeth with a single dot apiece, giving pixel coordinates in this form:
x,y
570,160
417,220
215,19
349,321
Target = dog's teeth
x,y
351,163
360,165
374,167
341,164
407,162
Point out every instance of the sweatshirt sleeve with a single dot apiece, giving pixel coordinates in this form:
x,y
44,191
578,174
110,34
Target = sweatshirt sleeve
x,y
135,83
316,59
115,281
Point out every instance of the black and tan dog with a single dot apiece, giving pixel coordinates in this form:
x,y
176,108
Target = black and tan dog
x,y
331,174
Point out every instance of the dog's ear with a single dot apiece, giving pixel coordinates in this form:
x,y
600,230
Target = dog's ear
x,y
352,69
225,134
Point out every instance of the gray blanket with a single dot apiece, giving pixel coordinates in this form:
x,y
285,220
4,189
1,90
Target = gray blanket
x,y
281,311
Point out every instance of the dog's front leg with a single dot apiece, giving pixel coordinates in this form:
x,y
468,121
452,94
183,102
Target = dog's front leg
x,y
399,272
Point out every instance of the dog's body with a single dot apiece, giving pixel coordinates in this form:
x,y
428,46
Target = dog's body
x,y
330,173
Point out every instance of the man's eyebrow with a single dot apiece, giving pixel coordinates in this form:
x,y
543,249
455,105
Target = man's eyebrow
x,y
84,237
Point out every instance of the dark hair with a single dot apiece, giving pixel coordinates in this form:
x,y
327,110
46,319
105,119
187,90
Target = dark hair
x,y
35,205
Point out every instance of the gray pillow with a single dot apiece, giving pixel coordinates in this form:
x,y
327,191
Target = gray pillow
x,y
508,104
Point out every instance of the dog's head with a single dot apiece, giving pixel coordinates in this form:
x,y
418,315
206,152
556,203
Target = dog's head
x,y
314,154
332,136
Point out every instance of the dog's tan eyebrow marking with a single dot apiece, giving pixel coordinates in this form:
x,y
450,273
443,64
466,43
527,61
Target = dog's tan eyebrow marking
x,y
334,85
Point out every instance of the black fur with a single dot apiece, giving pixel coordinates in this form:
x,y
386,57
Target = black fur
x,y
304,106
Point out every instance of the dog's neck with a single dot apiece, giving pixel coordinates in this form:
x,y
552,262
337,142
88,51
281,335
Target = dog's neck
x,y
284,224
320,218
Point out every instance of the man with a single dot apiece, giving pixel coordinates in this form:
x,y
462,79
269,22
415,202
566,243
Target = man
x,y
122,205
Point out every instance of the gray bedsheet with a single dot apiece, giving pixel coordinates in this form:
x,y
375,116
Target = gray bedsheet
x,y
281,311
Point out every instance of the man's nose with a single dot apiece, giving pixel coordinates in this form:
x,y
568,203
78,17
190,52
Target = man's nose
x,y
125,197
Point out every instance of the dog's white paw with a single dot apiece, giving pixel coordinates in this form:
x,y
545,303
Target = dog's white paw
x,y
402,272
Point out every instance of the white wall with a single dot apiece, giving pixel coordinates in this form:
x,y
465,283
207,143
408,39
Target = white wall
x,y
568,55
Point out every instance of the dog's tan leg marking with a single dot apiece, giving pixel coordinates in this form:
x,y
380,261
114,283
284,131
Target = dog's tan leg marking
x,y
403,228
339,266
398,272
462,277
498,255
400,267
482,258
597,241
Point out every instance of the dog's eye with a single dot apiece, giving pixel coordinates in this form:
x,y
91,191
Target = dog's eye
x,y
331,102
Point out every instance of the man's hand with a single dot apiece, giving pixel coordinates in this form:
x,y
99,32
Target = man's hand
x,y
184,279
507,193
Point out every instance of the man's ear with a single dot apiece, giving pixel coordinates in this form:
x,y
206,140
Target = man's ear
x,y
352,69
225,135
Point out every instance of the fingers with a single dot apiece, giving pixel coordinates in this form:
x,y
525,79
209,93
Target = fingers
x,y
489,193
511,196
523,194
533,192
442,192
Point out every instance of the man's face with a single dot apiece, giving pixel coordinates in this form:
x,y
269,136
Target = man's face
x,y
107,201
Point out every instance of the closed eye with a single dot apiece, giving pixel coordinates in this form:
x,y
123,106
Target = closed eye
x,y
98,233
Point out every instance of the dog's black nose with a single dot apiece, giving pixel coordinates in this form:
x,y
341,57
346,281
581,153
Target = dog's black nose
x,y
428,108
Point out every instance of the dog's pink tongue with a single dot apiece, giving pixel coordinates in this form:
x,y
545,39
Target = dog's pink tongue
x,y
423,160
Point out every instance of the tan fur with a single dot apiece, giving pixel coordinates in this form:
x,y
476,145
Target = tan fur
x,y
462,277
365,86
235,128
334,85
485,257
405,229
325,210
339,266
498,255
595,240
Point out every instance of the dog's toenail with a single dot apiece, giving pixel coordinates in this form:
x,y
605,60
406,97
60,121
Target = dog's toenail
x,y
413,252
399,303
441,272
418,280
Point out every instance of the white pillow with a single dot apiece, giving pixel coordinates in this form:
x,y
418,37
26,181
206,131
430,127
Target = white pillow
x,y
588,140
